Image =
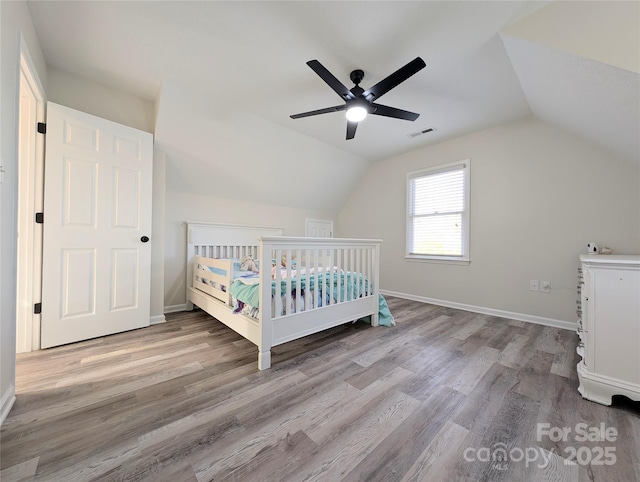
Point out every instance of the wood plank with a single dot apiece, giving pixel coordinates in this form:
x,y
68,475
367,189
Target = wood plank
x,y
443,451
23,471
475,369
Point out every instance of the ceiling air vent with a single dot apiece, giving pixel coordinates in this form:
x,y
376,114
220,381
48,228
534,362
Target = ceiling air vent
x,y
423,131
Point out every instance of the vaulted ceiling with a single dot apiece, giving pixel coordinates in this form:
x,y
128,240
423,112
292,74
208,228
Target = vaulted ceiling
x,y
225,76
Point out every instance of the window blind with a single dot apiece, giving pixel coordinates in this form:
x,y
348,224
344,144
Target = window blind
x,y
436,212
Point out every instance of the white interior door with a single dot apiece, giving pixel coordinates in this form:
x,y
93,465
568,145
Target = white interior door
x,y
319,228
97,215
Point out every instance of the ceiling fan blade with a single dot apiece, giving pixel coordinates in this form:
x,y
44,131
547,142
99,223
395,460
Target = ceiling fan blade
x,y
351,129
326,110
387,111
399,76
330,79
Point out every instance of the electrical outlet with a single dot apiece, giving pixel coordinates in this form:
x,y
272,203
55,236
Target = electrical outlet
x,y
533,285
545,286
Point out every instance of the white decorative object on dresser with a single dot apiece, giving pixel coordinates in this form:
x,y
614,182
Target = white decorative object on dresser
x,y
609,327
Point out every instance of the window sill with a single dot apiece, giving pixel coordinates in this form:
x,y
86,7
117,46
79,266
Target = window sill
x,y
438,260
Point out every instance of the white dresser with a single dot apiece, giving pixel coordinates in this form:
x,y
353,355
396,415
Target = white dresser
x,y
609,327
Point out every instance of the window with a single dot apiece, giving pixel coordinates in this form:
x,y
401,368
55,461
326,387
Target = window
x,y
438,213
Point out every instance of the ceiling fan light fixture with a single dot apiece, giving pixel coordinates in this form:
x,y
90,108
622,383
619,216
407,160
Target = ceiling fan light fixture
x,y
359,102
356,113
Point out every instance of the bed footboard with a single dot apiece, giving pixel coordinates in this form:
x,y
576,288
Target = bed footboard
x,y
316,284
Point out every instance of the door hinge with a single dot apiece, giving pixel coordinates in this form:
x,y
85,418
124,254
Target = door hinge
x,y
39,218
42,128
37,308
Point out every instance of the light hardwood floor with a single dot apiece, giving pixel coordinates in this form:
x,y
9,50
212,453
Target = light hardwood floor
x,y
430,399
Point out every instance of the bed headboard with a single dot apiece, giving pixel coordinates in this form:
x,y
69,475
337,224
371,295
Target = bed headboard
x,y
213,240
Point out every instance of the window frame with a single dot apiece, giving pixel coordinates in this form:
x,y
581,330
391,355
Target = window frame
x,y
464,258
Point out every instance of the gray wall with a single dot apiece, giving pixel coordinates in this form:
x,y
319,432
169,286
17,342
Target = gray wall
x,y
538,195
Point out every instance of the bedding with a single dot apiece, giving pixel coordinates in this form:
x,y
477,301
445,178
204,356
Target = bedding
x,y
341,286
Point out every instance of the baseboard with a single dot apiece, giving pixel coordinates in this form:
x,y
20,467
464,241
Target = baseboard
x,y
154,320
539,320
7,401
175,308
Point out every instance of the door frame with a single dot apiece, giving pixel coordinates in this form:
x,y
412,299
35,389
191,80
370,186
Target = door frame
x,y
30,201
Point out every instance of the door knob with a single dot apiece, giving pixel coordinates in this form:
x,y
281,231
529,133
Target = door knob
x,y
144,239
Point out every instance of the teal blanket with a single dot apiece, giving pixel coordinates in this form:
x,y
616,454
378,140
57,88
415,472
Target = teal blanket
x,y
340,286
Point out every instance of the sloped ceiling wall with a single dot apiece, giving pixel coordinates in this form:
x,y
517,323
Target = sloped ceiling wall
x,y
596,101
606,32
578,65
239,155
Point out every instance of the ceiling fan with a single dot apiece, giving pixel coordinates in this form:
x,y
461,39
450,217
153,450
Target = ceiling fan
x,y
360,102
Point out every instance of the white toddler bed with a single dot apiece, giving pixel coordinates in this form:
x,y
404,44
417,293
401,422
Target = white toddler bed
x,y
342,272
